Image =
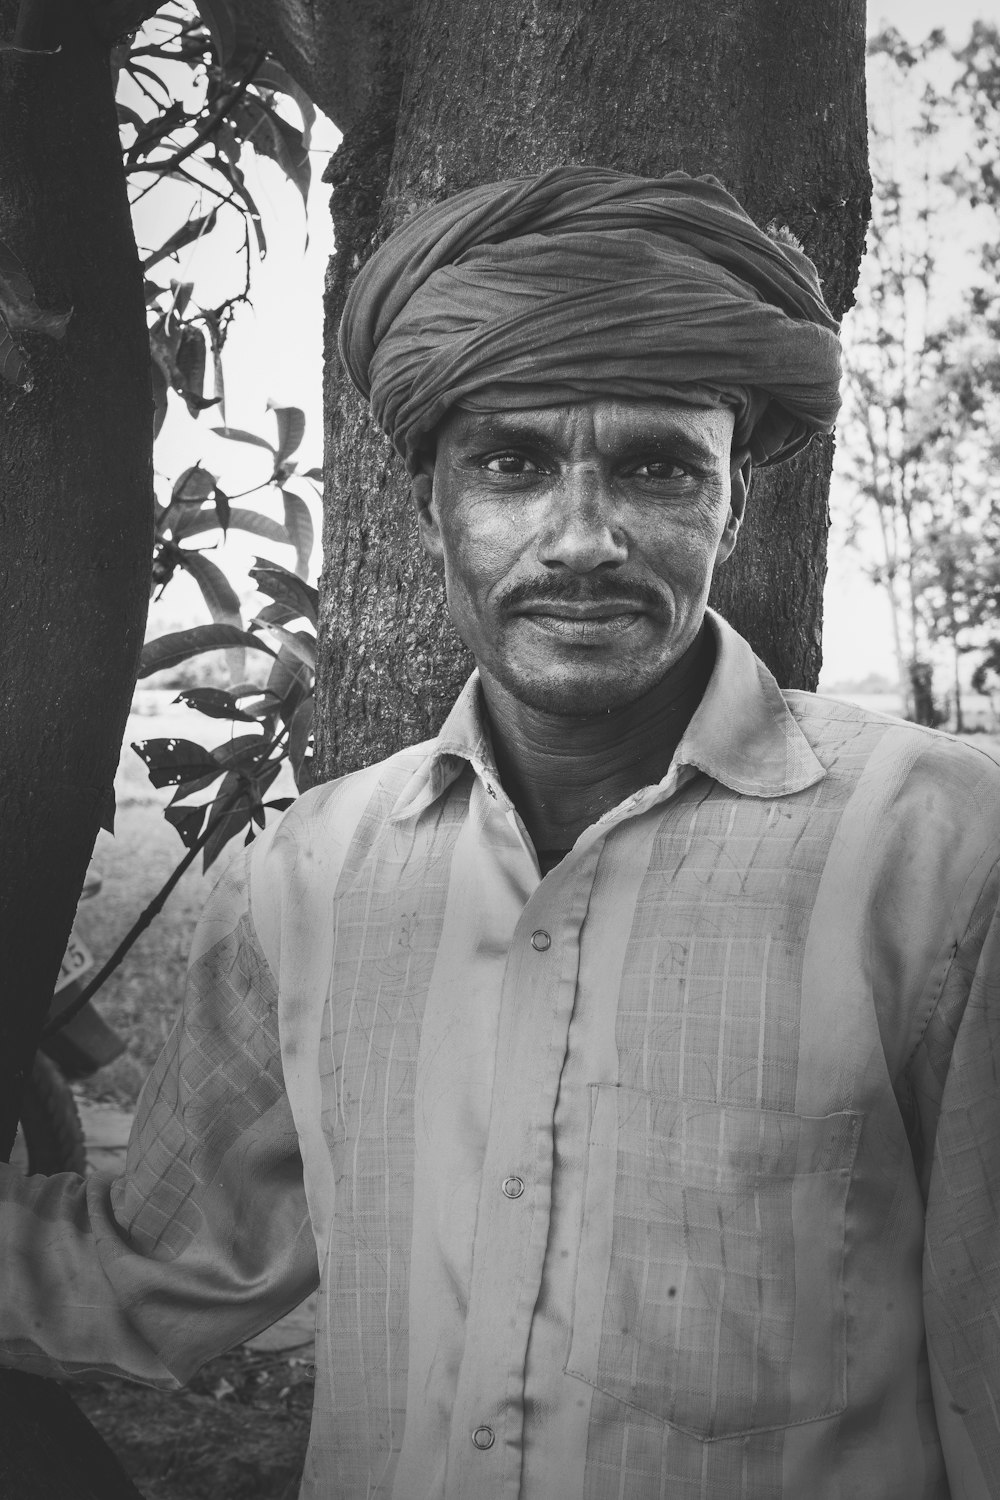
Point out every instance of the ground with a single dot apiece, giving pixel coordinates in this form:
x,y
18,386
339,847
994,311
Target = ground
x,y
238,1432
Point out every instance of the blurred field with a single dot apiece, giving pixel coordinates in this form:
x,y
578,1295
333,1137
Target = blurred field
x,y
141,997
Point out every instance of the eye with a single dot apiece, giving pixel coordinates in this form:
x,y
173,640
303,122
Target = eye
x,y
662,468
513,464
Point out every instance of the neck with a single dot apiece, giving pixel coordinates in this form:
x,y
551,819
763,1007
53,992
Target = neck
x,y
563,773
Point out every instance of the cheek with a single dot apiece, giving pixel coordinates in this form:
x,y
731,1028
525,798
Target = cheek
x,y
482,548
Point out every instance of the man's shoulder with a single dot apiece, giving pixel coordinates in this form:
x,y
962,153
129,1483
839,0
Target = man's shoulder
x,y
832,725
377,787
303,856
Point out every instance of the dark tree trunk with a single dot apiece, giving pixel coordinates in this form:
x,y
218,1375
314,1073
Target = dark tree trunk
x,y
75,545
767,94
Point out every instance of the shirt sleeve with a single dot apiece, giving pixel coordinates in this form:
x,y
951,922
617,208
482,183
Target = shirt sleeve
x,y
204,1239
957,1071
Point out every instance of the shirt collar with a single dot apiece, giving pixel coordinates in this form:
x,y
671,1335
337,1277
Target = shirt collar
x,y
742,734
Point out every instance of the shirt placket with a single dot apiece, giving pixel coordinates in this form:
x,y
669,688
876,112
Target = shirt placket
x,y
540,983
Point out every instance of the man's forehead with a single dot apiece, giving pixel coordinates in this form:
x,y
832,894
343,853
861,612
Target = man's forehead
x,y
615,418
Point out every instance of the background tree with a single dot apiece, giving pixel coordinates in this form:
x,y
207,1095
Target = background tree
x,y
769,97
920,421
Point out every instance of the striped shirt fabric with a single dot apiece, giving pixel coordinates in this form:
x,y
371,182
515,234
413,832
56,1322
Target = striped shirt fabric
x,y
672,1175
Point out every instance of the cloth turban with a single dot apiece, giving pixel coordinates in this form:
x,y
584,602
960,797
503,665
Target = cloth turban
x,y
583,283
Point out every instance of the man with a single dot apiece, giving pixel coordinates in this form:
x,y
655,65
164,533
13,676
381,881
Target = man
x,y
622,1063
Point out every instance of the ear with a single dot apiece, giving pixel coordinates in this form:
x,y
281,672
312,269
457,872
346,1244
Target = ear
x,y
740,470
422,499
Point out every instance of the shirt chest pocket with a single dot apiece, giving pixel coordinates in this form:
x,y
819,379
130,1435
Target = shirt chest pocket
x,y
710,1284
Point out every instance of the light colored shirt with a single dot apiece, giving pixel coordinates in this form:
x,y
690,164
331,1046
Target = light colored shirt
x,y
672,1174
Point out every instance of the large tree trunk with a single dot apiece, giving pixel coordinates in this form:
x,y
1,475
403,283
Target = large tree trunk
x,y
767,94
75,544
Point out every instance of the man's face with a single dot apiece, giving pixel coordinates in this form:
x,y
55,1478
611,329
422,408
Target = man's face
x,y
578,542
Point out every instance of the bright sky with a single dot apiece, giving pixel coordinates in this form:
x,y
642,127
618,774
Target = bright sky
x,y
275,353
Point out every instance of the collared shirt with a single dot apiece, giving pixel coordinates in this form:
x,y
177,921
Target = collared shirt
x,y
674,1173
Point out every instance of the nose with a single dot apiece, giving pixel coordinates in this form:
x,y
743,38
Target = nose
x,y
581,531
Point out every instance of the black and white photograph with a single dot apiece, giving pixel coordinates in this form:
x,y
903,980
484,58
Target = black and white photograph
x,y
500,751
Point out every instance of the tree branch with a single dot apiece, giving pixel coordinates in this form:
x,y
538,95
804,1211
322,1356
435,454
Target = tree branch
x,y
207,127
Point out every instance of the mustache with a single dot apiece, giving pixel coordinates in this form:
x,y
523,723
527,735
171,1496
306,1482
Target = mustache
x,y
561,589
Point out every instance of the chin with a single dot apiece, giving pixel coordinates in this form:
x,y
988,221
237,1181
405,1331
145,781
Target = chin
x,y
575,696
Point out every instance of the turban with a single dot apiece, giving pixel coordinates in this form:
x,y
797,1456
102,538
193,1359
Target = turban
x,y
584,283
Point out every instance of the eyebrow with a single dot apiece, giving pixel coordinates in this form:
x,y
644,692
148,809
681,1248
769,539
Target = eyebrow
x,y
523,427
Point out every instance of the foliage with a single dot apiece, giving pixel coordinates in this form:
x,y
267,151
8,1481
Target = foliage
x,y
923,388
243,768
195,90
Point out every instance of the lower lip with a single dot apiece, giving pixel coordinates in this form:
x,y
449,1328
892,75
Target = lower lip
x,y
586,629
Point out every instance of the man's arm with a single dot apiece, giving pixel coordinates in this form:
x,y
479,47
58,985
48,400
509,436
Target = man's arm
x,y
957,1069
205,1237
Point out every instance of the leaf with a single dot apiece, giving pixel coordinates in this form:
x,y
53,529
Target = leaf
x,y
189,367
289,681
188,821
272,75
241,753
109,807
291,429
223,509
135,68
217,591
229,815
168,650
285,588
180,297
194,486
221,22
239,518
156,129
192,230
231,172
299,731
238,435
298,524
300,644
128,116
280,614
214,703
173,762
159,381
271,135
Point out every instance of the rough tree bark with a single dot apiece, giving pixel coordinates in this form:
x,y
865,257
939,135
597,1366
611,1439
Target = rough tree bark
x,y
767,94
75,546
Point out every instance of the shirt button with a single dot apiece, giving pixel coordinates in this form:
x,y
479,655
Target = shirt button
x,y
540,941
513,1187
483,1437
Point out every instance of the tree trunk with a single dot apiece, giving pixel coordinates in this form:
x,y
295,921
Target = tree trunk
x,y
75,544
767,94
